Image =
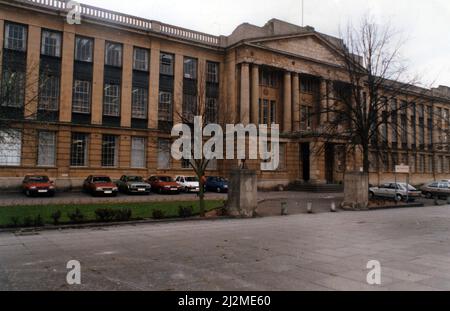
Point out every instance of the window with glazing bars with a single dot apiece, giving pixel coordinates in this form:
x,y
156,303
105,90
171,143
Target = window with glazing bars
x,y
15,37
211,110
81,102
49,93
189,107
212,72
51,43
140,59
166,64
113,54
12,88
47,149
10,148
84,49
109,151
139,103
190,68
164,154
79,150
111,102
138,152
165,106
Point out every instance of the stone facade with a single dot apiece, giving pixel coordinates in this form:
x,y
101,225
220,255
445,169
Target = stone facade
x,y
271,74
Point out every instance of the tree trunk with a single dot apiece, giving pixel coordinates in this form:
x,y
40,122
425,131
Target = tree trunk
x,y
201,196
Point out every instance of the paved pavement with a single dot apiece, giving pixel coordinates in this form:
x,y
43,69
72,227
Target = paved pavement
x,y
324,251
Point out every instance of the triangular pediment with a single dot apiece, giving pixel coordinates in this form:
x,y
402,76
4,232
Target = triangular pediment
x,y
310,46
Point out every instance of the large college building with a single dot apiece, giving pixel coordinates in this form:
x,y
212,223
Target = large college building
x,y
100,97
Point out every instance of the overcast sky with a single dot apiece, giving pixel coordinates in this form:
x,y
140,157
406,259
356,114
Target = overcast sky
x,y
425,24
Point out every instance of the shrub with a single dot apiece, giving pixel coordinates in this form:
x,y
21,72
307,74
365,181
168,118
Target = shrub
x,y
123,214
56,216
15,222
104,214
38,221
76,217
185,211
158,214
28,221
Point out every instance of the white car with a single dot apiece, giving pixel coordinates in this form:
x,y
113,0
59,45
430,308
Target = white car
x,y
188,183
396,191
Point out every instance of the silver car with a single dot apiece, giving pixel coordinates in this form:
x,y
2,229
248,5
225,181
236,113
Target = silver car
x,y
436,189
396,191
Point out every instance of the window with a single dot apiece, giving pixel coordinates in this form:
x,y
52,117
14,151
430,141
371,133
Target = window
x,y
394,120
79,150
49,93
421,164
166,64
47,149
212,165
138,152
51,43
273,112
430,164
440,165
373,162
10,148
264,111
140,59
211,110
212,72
430,124
189,107
190,68
305,120
282,165
81,102
109,151
306,85
163,154
15,37
139,103
412,164
185,164
165,106
13,88
84,49
111,102
113,54
404,129
394,161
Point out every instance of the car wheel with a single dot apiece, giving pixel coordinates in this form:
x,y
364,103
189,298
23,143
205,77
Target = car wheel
x,y
219,190
371,195
429,195
398,198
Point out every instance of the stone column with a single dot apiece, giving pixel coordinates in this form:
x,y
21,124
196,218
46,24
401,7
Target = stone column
x,y
245,94
154,85
255,94
127,85
2,31
201,83
287,103
178,89
97,85
32,72
296,102
324,94
65,109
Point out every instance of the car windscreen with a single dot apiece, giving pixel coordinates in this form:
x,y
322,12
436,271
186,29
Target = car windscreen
x,y
135,179
101,179
38,179
165,179
191,179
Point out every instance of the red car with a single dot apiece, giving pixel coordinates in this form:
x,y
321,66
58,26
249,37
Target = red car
x,y
100,185
38,185
164,184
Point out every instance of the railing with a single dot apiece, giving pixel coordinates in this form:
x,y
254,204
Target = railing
x,y
92,12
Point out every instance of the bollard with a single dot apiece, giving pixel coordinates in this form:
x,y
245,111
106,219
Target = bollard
x,y
284,209
436,201
309,208
333,207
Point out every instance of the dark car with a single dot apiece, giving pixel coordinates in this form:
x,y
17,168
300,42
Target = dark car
x,y
164,184
100,185
133,184
38,185
216,184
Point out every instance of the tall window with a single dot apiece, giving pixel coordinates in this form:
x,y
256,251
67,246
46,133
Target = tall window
x,y
394,120
84,48
305,120
189,107
421,112
139,103
421,164
81,102
166,64
10,148
113,54
165,106
268,78
138,152
111,102
212,72
414,123
49,93
140,59
264,111
15,37
79,150
190,68
13,88
430,164
47,149
51,43
109,151
282,165
306,85
430,125
164,154
212,110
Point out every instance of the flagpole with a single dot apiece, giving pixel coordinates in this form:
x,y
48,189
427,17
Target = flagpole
x,y
303,13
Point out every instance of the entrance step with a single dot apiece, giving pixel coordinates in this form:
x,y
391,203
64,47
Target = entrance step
x,y
316,188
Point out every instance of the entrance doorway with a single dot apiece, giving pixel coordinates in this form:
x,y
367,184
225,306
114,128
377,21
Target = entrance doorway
x,y
329,163
305,154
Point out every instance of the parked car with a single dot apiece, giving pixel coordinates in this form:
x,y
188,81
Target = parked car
x,y
436,189
38,185
188,183
133,184
164,184
216,184
100,185
396,191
